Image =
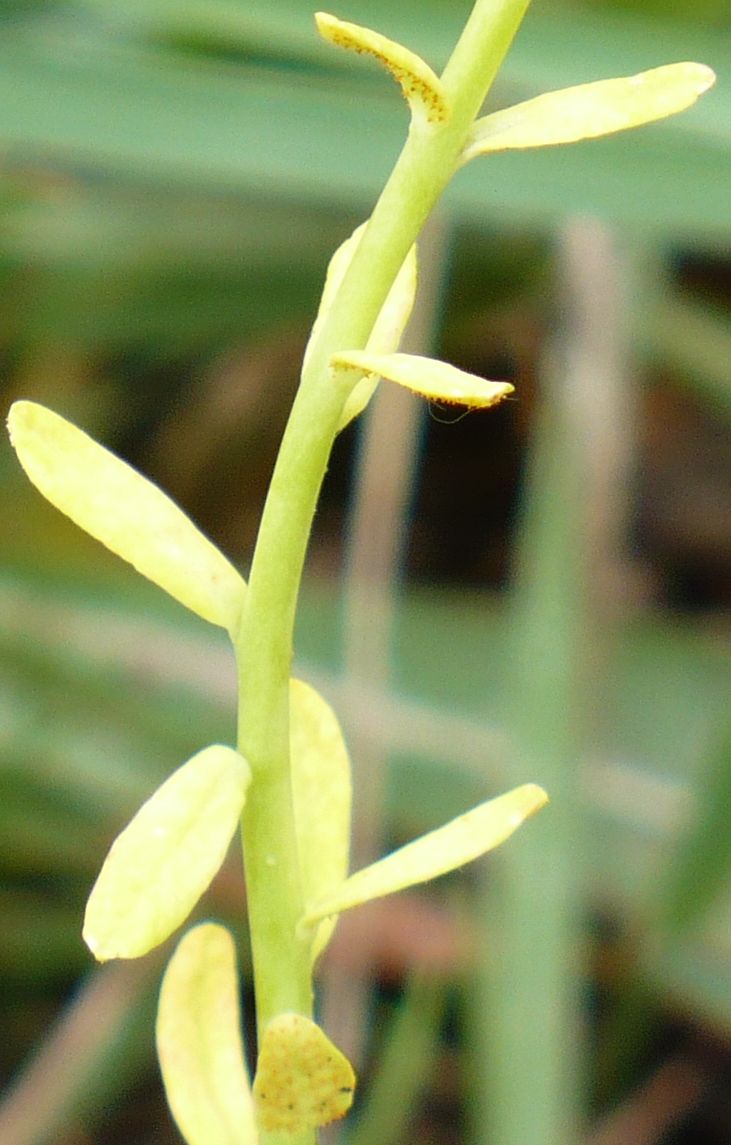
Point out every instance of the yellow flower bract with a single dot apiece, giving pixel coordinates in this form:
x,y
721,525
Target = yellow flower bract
x,y
421,87
199,1044
429,377
302,1080
590,110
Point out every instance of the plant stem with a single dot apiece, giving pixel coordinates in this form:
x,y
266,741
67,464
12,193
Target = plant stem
x,y
264,643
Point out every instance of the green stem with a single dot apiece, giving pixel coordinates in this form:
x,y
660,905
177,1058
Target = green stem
x,y
264,643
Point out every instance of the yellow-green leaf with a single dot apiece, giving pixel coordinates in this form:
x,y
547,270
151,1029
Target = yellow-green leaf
x,y
336,268
321,792
589,110
421,87
396,310
429,377
449,847
162,862
386,334
302,1080
126,512
389,325
199,1041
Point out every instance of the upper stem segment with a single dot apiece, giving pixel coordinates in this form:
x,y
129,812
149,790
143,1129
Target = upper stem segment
x,y
264,642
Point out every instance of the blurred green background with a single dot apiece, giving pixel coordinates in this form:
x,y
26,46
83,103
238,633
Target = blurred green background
x,y
540,593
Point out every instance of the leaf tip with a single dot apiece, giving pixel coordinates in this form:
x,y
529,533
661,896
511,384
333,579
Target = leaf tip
x,y
18,417
534,797
325,22
421,87
94,946
705,76
433,379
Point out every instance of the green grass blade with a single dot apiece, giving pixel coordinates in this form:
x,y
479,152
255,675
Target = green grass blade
x,y
402,1065
701,864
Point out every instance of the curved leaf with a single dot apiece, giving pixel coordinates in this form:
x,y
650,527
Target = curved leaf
x,y
321,791
590,109
126,512
199,1041
429,377
422,88
162,862
458,842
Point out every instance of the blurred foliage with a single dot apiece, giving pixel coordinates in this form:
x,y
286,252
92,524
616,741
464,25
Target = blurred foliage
x,y
173,178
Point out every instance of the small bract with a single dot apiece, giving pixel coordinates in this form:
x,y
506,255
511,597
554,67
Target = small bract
x,y
302,1080
198,1039
126,512
163,861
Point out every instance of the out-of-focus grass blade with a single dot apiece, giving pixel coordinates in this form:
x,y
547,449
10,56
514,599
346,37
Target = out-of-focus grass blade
x,y
97,1048
701,864
402,1065
692,337
149,113
526,1026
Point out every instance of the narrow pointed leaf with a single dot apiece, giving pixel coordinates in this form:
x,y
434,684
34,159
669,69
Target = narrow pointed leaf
x,y
126,512
321,791
429,377
199,1041
164,860
590,110
302,1080
421,87
440,851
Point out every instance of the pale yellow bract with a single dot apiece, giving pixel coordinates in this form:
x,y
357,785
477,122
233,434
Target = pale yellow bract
x,y
389,326
302,1080
321,794
126,512
199,1044
165,858
429,377
456,843
590,110
421,86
